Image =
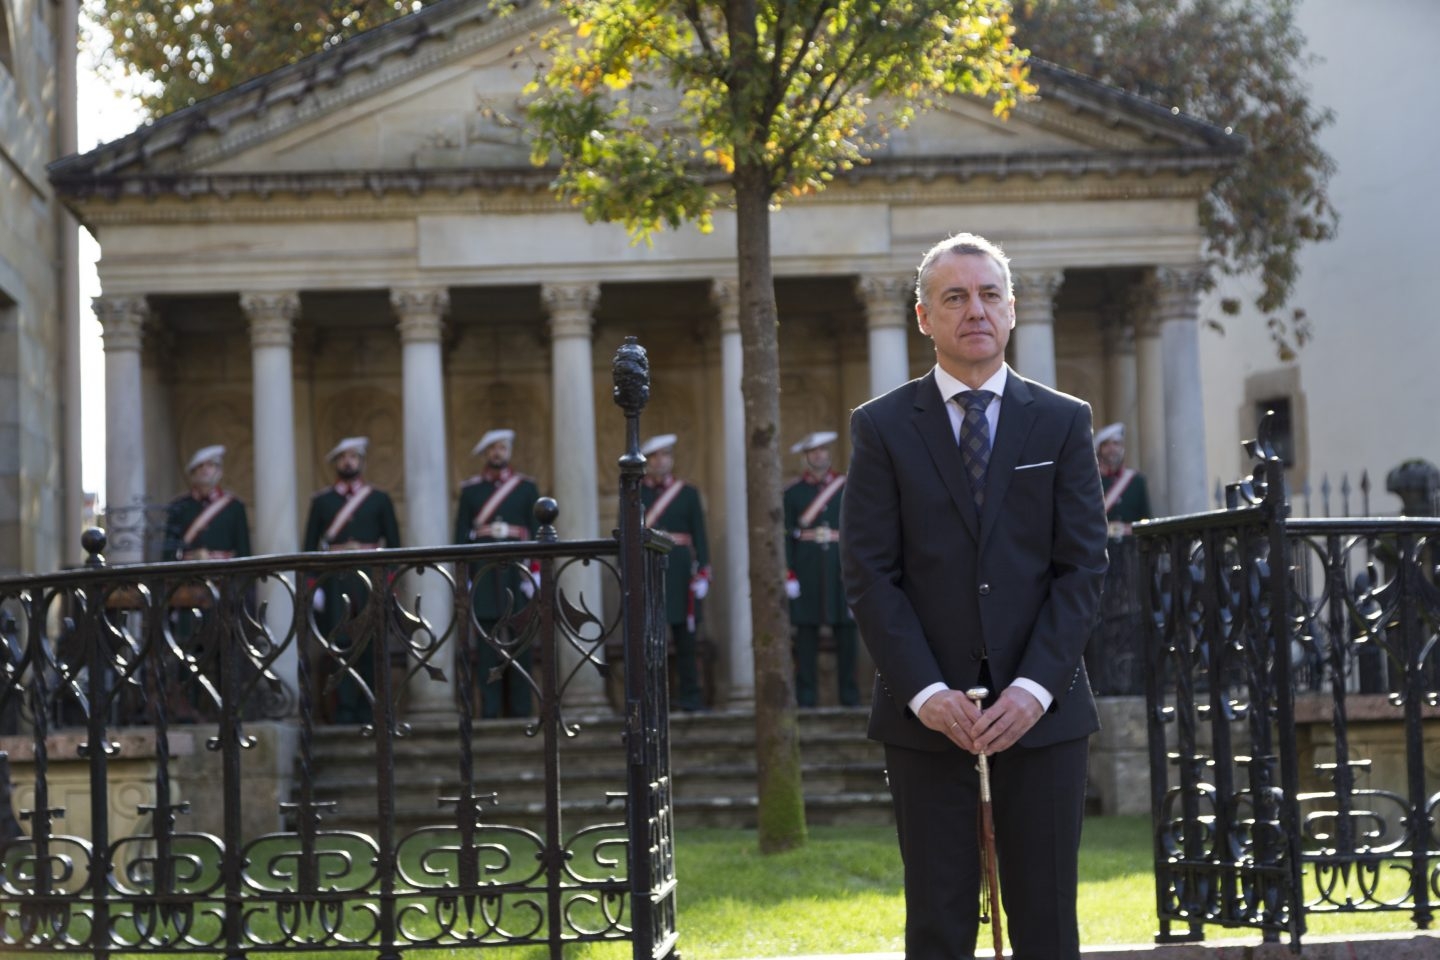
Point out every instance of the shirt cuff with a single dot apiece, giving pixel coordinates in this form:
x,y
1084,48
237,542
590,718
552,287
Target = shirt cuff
x,y
918,701
1037,691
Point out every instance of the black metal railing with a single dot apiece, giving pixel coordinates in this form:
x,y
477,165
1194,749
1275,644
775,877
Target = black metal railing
x,y
1256,827
193,853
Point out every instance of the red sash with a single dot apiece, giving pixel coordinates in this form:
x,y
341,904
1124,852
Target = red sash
x,y
658,508
496,499
817,506
207,516
347,511
1118,488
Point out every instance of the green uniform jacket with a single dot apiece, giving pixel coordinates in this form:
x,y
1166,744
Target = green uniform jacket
x,y
815,561
686,516
517,510
228,531
373,522
1134,504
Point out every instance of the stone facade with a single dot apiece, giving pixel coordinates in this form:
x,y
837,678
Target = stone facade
x,y
351,195
33,299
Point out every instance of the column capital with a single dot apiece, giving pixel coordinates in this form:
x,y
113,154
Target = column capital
x,y
725,295
1035,294
122,321
420,312
881,293
1177,292
1139,305
571,307
272,317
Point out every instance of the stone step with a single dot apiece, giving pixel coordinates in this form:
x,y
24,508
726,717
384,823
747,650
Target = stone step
x,y
712,763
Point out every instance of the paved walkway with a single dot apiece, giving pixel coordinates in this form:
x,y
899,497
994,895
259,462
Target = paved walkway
x,y
1378,946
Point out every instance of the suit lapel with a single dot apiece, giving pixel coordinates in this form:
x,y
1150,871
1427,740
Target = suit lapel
x,y
933,422
1017,416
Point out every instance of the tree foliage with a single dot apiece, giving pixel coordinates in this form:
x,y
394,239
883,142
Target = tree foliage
x,y
1236,63
660,111
182,51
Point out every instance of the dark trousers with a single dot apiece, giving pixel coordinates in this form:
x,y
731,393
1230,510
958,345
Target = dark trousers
x,y
807,667
508,694
1039,801
688,696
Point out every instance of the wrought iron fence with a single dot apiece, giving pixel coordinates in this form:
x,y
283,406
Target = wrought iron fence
x,y
238,646
1243,607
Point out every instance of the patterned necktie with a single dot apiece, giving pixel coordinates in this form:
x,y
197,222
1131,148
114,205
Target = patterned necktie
x,y
975,440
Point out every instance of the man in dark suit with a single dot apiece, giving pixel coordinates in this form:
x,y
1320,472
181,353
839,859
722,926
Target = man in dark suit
x,y
970,563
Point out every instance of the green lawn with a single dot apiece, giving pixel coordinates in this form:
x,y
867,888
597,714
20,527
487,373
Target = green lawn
x,y
841,893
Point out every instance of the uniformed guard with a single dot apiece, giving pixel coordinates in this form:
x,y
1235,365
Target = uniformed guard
x,y
812,554
497,505
205,523
349,515
1127,500
674,508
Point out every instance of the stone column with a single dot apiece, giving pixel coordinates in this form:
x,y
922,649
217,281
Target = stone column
x,y
1034,334
572,383
275,525
1120,382
122,324
886,297
1177,307
1148,456
419,313
725,294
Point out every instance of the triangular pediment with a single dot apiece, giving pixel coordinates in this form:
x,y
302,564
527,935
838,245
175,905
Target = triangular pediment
x,y
438,92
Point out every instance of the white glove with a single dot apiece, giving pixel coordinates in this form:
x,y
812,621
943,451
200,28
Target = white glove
x,y
527,587
792,588
699,587
319,600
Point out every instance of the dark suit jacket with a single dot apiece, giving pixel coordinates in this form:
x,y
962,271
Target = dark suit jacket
x,y
933,587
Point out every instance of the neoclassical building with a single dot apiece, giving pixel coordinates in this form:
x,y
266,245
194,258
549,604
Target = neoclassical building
x,y
357,244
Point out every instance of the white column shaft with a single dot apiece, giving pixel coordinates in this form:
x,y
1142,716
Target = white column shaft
x,y
275,527
737,528
1184,396
122,321
1034,334
886,298
572,380
1150,417
427,497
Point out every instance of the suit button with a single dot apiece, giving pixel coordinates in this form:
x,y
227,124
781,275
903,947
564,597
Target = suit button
x,y
984,589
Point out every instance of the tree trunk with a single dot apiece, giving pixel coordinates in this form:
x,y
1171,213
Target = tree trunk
x,y
777,731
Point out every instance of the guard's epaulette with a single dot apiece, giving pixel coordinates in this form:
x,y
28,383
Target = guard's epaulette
x,y
321,492
471,481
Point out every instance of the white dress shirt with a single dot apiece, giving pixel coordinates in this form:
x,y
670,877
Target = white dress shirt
x,y
949,387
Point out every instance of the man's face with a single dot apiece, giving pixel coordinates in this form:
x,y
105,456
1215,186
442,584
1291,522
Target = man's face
x,y
660,463
205,475
1111,454
818,460
497,455
967,312
349,464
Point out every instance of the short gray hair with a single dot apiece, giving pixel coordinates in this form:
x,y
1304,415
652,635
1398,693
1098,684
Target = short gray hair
x,y
963,244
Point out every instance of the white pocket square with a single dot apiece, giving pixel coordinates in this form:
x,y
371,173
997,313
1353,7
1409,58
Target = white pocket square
x,y
1032,466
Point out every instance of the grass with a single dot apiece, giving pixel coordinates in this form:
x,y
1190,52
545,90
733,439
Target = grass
x,y
841,893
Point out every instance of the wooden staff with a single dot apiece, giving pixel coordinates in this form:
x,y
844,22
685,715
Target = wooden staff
x,y
989,871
